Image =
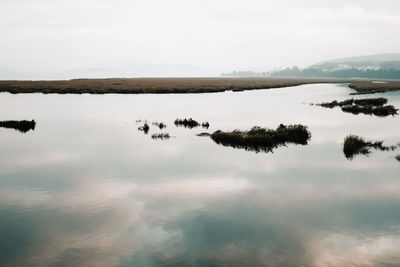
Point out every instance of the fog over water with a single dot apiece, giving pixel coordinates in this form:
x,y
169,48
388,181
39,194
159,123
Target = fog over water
x,y
47,39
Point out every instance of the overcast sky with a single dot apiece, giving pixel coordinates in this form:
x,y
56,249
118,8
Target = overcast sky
x,y
50,39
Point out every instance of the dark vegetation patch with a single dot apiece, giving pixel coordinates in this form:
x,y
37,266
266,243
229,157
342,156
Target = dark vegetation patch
x,y
203,134
161,136
368,106
187,123
398,157
160,125
262,139
356,145
382,111
205,125
22,126
145,128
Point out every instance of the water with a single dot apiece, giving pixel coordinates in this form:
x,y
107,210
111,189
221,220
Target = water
x,y
86,188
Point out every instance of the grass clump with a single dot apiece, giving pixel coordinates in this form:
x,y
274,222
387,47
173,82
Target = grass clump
x,y
21,126
205,125
398,157
261,139
356,145
161,136
335,103
187,123
380,101
160,125
380,111
145,128
203,134
368,106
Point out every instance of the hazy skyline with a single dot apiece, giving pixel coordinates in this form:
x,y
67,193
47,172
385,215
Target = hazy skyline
x,y
56,39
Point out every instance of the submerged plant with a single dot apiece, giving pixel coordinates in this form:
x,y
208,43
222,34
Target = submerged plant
x,y
262,139
21,126
356,145
187,123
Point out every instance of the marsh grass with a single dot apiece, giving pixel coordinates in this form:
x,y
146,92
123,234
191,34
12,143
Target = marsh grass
x,y
187,123
205,125
368,106
160,125
203,134
380,111
21,126
156,85
145,128
161,136
261,139
355,145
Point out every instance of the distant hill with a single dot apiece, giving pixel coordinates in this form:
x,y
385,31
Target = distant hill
x,y
380,66
372,62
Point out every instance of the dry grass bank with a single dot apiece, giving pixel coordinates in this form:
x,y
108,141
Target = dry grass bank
x,y
372,88
154,85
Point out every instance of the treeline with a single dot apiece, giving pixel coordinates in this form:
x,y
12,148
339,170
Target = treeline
x,y
296,72
245,74
344,73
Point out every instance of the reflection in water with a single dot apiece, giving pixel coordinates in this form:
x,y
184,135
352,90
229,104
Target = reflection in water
x,y
102,193
21,126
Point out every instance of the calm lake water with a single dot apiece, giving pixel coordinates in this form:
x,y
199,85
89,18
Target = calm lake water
x,y
86,188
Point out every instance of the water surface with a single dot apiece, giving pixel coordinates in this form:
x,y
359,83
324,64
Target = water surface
x,y
86,188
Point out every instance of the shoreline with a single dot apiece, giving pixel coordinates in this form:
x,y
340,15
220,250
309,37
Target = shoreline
x,y
158,85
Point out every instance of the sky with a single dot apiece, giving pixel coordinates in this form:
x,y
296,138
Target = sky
x,y
63,39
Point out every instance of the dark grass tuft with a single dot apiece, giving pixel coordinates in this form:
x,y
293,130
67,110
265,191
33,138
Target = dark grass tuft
x,y
161,136
160,125
145,128
203,134
261,139
398,157
21,126
368,106
380,101
380,111
205,125
187,123
356,145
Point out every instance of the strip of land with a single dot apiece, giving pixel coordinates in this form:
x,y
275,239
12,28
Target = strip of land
x,y
372,88
155,85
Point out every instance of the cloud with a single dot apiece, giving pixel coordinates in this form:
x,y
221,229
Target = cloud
x,y
215,35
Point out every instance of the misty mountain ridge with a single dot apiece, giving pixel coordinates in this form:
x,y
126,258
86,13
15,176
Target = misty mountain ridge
x,y
371,62
381,66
